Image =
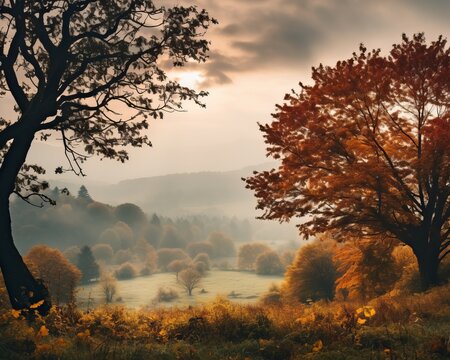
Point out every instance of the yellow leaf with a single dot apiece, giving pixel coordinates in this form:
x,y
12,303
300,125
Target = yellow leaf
x,y
43,331
318,345
369,311
359,311
361,321
15,313
36,305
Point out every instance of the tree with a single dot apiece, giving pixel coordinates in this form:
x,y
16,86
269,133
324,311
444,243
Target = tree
x,y
83,194
222,245
103,252
268,263
312,275
178,265
248,253
365,150
71,67
166,256
59,275
126,271
190,279
87,265
109,286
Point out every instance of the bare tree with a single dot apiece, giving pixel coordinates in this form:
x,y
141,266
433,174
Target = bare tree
x,y
109,286
89,73
189,279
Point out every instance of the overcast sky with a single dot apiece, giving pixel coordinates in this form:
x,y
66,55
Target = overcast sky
x,y
260,50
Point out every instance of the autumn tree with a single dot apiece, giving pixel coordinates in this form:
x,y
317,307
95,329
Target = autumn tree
x,y
189,279
222,245
88,73
365,150
108,283
248,253
59,275
268,263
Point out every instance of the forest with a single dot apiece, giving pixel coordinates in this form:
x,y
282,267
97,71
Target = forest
x,y
359,163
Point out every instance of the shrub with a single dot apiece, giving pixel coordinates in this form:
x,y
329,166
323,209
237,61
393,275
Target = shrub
x,y
204,258
126,271
312,274
166,295
108,284
268,263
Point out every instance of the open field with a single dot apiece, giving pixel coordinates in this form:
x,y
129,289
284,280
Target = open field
x,y
245,287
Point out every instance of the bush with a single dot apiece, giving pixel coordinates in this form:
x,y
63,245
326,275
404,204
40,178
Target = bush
x,y
204,258
126,271
312,274
268,263
166,295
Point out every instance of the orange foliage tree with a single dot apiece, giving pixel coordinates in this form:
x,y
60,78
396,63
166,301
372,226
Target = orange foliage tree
x,y
59,275
367,268
365,150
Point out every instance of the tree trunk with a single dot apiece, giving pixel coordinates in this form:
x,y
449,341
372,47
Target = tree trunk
x,y
428,261
23,289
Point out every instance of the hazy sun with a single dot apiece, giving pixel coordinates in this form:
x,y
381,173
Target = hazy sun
x,y
190,79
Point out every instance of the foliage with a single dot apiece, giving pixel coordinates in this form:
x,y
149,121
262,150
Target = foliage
x,y
312,275
268,263
204,259
130,214
178,265
396,327
60,276
365,150
166,256
103,252
248,253
126,271
87,265
367,267
166,295
195,248
222,245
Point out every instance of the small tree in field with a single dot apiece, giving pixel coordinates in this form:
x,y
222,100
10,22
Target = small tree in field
x,y
248,253
87,73
268,263
109,286
189,279
365,150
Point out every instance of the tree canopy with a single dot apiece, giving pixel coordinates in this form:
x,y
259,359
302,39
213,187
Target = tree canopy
x,y
365,151
89,74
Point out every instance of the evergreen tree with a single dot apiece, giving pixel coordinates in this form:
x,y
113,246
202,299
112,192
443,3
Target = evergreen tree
x,y
83,193
87,265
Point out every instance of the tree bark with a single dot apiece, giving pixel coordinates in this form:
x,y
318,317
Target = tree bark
x,y
23,289
428,261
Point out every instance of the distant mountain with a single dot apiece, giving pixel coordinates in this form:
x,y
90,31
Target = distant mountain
x,y
208,193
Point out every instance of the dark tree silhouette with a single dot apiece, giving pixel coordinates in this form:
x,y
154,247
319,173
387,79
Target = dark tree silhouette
x,y
83,193
87,265
71,67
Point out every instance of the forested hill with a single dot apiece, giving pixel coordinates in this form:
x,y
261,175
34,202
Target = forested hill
x,y
212,193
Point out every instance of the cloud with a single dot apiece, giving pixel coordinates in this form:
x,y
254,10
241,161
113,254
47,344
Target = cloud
x,y
255,35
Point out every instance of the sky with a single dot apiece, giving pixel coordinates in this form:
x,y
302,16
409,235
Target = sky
x,y
259,51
